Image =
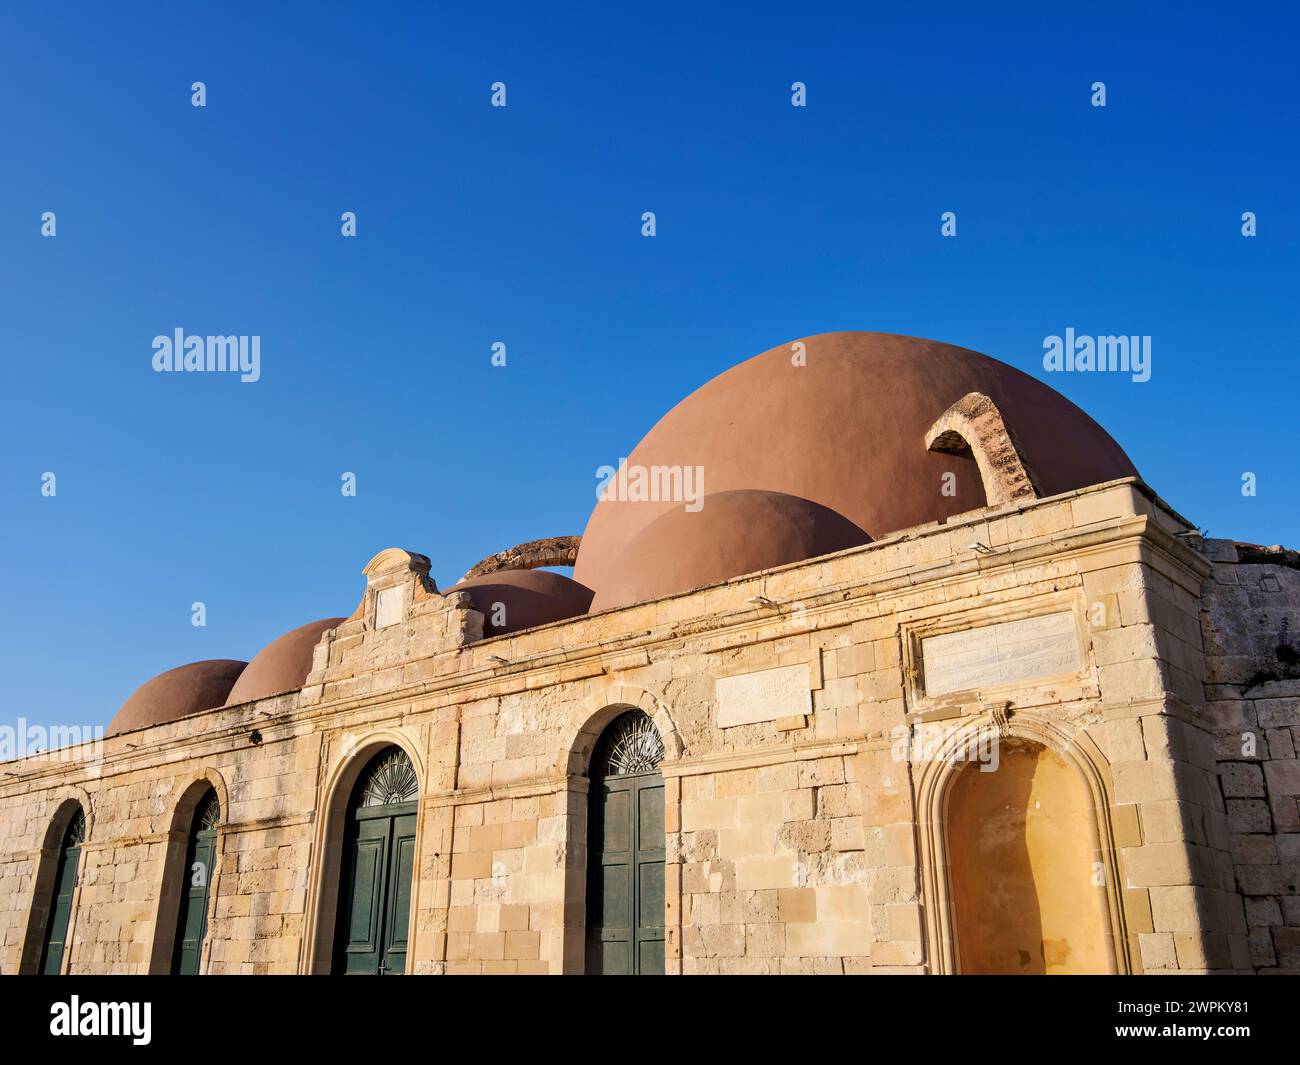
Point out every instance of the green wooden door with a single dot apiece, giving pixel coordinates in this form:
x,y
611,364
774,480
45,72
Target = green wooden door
x,y
192,923
626,896
397,897
65,882
375,905
61,912
378,868
625,878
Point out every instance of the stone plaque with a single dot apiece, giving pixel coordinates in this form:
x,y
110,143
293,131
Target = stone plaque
x,y
390,603
1000,654
763,696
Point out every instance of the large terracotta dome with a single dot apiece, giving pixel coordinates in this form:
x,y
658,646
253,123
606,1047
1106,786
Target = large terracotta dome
x,y
847,431
176,694
282,665
515,599
732,533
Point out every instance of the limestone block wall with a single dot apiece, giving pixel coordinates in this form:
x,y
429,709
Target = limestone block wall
x,y
1171,823
793,844
131,803
1250,618
801,843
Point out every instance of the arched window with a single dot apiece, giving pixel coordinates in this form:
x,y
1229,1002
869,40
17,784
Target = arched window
x,y
378,867
65,882
200,858
625,849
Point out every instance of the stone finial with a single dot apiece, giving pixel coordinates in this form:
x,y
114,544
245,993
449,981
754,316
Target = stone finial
x,y
395,560
552,551
975,424
394,568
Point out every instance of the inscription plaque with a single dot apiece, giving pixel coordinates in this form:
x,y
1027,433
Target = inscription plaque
x,y
1000,654
389,605
763,696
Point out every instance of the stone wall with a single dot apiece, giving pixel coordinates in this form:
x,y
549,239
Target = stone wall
x,y
1250,617
261,867
799,843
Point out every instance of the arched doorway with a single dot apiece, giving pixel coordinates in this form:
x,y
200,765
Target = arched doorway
x,y
1027,884
378,866
196,890
65,883
625,850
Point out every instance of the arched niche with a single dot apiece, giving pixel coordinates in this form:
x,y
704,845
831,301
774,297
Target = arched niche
x,y
1027,887
1018,862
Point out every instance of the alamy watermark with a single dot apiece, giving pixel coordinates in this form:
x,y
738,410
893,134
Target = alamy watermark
x,y
651,484
1074,353
133,1020
53,743
210,354
934,742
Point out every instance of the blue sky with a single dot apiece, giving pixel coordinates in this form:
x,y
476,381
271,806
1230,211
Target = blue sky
x,y
522,225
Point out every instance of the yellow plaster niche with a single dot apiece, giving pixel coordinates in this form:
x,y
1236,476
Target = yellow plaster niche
x,y
1027,890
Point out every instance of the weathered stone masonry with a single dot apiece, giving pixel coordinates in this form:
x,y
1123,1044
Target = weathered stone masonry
x,y
1250,617
801,844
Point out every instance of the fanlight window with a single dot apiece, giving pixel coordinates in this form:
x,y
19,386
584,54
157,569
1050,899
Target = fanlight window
x,y
208,815
631,744
76,834
389,780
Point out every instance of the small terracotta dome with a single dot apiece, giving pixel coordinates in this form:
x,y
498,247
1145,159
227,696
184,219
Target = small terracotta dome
x,y
177,693
527,597
282,665
846,429
731,534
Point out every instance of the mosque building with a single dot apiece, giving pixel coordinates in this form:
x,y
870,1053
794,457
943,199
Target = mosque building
x,y
878,656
